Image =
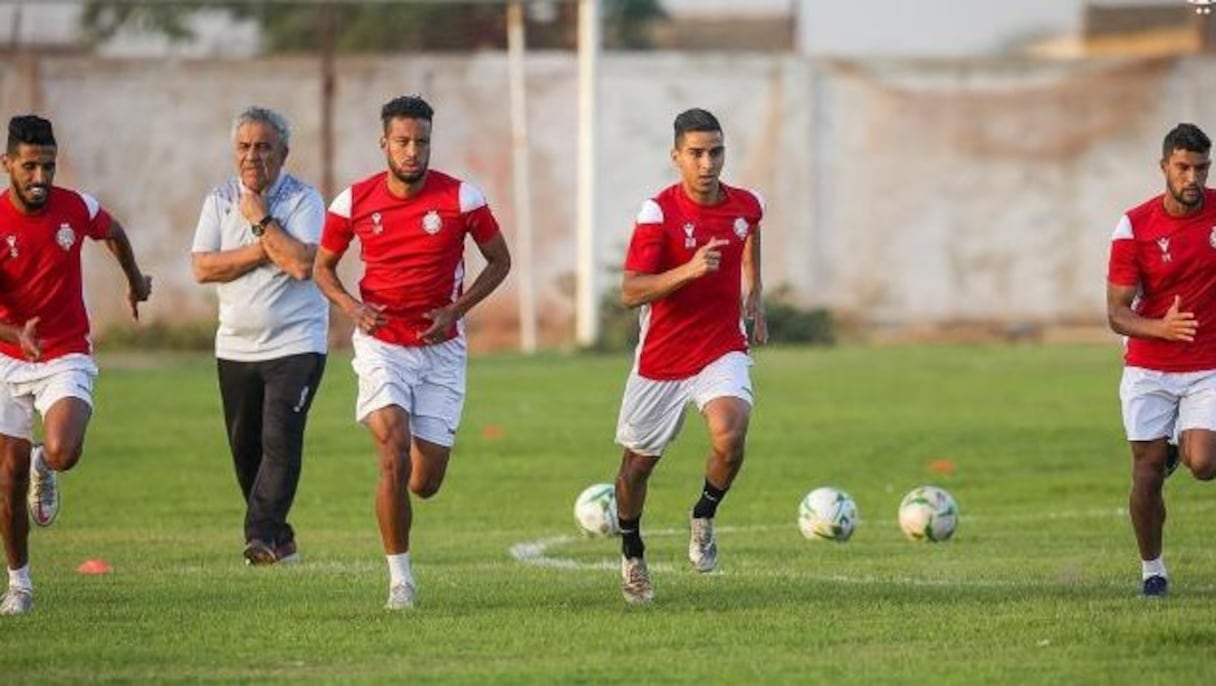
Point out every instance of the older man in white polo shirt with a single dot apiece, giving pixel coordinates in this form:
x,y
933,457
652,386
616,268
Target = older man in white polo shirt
x,y
256,239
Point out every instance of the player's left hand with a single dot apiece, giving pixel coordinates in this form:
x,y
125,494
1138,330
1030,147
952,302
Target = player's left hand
x,y
753,310
442,319
137,292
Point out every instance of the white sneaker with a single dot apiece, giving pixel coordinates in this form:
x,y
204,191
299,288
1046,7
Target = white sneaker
x,y
43,497
702,544
635,581
17,601
400,596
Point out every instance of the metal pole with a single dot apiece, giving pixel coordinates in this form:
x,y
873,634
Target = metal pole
x,y
586,291
521,176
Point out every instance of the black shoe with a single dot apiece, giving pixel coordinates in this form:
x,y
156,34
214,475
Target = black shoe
x,y
1156,586
257,553
1172,458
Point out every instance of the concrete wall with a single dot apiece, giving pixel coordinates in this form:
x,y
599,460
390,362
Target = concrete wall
x,y
901,194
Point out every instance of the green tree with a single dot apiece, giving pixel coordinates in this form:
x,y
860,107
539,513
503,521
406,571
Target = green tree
x,y
374,27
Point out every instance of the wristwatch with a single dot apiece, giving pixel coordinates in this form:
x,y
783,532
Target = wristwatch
x,y
260,227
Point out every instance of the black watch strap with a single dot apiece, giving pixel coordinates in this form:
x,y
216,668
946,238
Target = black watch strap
x,y
260,227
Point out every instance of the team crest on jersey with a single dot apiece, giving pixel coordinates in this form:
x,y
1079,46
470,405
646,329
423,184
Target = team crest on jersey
x,y
377,227
65,236
690,241
1212,237
12,245
741,228
431,223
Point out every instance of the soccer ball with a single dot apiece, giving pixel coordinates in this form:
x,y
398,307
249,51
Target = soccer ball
x,y
595,510
827,514
928,514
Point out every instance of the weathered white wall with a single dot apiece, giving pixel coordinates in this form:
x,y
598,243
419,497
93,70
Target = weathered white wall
x,y
900,193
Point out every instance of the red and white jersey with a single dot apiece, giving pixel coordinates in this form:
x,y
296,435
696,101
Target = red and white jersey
x,y
1167,256
40,274
412,248
696,324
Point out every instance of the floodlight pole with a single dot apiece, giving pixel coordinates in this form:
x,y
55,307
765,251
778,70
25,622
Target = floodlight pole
x,y
521,176
586,292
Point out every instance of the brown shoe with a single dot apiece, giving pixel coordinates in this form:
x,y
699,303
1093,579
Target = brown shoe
x,y
257,553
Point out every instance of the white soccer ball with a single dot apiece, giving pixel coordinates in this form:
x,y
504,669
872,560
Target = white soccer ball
x,y
595,510
827,514
928,514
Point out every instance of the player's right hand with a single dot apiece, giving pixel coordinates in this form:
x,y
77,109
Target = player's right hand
x,y
368,317
28,339
708,257
1178,325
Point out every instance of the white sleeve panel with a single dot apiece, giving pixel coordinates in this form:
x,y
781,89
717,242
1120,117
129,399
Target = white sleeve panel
x,y
471,197
91,203
341,204
1123,230
650,213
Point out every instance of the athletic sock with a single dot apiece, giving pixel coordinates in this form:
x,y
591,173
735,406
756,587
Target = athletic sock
x,y
631,537
707,506
20,578
1153,568
399,569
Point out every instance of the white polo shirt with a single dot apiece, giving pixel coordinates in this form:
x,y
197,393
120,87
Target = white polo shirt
x,y
264,313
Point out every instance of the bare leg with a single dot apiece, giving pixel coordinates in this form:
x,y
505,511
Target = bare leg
x,y
14,484
63,428
1199,453
631,482
390,428
727,420
430,465
1146,503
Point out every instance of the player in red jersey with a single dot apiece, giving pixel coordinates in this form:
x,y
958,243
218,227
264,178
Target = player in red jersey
x,y
693,267
1161,294
46,362
409,340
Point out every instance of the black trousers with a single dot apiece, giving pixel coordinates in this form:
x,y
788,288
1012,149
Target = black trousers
x,y
265,409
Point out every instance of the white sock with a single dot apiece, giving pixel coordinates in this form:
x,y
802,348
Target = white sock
x,y
20,578
1153,568
399,569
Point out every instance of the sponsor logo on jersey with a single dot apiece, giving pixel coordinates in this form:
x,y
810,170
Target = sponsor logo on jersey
x,y
12,245
690,241
377,227
431,222
1212,237
65,236
741,228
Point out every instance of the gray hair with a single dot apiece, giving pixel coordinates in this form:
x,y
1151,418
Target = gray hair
x,y
263,115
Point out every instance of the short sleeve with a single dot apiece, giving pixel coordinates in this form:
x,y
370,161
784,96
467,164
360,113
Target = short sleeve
x,y
339,230
207,231
479,221
1124,267
99,219
645,252
307,218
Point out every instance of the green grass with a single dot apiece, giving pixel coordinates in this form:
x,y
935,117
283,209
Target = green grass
x,y
1039,585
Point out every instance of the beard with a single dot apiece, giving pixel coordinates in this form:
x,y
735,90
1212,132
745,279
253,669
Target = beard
x,y
35,197
1188,196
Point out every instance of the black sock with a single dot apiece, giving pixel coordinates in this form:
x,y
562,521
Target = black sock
x,y
631,537
707,506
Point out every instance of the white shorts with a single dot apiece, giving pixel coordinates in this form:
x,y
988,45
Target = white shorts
x,y
1163,404
28,386
426,381
652,412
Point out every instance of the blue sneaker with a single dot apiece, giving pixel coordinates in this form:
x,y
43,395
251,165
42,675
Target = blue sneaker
x,y
1172,458
1156,587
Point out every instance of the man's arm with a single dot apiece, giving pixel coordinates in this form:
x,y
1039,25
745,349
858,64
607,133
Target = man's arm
x,y
325,273
753,287
288,253
139,285
1174,326
498,265
24,336
638,288
222,266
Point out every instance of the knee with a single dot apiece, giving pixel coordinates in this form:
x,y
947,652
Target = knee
x,y
636,468
394,466
728,443
1204,469
61,455
425,488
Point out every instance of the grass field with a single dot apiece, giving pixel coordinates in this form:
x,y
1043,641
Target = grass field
x,y
1040,584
